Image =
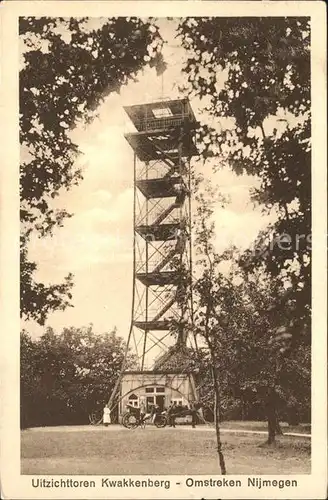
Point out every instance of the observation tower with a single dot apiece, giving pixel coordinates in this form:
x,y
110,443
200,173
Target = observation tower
x,y
160,335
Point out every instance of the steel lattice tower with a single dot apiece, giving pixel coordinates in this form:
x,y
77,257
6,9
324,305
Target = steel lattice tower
x,y
162,308
163,146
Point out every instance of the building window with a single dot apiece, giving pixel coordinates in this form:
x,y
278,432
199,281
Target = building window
x,y
134,400
178,401
152,390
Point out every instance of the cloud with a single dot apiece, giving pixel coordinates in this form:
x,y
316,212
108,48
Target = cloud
x,y
102,196
116,209
238,229
93,236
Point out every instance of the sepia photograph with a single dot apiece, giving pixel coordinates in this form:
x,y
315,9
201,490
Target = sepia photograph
x,y
166,184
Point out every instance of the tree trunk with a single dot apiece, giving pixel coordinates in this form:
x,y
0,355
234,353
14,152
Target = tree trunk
x,y
242,407
271,428
271,415
217,419
278,427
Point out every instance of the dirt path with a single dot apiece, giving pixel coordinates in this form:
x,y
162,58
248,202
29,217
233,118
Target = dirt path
x,y
120,428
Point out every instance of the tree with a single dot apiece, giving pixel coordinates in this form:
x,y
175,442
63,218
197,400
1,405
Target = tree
x,y
68,68
28,380
255,72
65,377
250,345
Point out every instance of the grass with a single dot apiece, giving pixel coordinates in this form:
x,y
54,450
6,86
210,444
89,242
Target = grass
x,y
96,450
262,426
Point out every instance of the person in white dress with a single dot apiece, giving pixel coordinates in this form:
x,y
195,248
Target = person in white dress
x,y
106,416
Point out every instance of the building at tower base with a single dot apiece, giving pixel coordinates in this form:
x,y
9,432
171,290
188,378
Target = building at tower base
x,y
171,379
156,388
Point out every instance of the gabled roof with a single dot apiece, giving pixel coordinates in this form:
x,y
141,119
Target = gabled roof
x,y
179,357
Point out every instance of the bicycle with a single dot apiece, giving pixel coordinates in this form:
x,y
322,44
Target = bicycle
x,y
132,419
96,417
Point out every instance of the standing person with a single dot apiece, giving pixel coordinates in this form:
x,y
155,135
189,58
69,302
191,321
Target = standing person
x,y
193,411
106,416
156,411
169,414
172,413
152,413
175,411
143,412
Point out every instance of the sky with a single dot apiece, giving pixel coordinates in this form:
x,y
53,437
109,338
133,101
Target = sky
x,y
96,243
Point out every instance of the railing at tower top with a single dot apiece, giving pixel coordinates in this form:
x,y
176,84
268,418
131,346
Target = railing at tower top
x,y
147,124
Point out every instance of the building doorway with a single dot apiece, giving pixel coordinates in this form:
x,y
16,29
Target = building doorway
x,y
155,399
150,401
160,399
